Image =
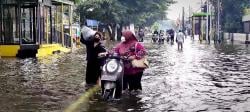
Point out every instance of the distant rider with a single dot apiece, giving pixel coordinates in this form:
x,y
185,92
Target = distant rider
x,y
155,36
171,33
141,35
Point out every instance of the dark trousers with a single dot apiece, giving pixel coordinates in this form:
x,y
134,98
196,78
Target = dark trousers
x,y
132,81
180,45
92,73
172,38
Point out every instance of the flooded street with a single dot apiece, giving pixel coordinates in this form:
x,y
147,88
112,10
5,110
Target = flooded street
x,y
44,85
202,77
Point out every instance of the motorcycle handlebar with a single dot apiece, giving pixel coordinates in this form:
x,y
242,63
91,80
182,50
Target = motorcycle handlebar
x,y
111,55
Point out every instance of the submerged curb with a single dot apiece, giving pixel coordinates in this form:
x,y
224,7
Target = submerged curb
x,y
82,99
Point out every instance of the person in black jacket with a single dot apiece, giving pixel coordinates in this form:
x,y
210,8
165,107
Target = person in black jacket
x,y
171,33
94,48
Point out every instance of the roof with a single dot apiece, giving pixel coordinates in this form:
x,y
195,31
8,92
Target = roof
x,y
200,14
58,2
68,2
246,18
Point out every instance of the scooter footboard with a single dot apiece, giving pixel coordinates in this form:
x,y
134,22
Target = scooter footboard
x,y
109,78
109,85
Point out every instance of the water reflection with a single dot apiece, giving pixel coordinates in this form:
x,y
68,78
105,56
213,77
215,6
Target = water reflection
x,y
129,103
201,78
41,84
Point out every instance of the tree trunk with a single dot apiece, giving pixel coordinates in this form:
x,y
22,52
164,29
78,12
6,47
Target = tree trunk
x,y
113,27
119,32
111,30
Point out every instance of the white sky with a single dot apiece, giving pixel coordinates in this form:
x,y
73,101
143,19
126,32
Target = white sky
x,y
175,10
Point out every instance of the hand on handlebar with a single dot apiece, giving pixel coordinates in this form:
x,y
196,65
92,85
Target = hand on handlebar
x,y
103,54
131,57
128,58
124,57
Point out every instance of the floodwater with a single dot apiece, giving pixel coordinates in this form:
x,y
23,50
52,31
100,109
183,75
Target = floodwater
x,y
202,77
41,85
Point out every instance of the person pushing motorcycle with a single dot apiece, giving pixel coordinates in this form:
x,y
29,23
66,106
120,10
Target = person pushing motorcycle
x,y
131,48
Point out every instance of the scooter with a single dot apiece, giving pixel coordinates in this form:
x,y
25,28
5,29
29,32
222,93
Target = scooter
x,y
154,38
112,77
140,38
161,39
168,38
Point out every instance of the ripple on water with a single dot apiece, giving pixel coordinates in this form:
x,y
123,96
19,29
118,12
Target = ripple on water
x,y
40,84
202,77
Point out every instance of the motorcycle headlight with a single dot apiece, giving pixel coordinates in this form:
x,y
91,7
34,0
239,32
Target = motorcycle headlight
x,y
112,66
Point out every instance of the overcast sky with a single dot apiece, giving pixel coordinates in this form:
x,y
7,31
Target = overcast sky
x,y
176,9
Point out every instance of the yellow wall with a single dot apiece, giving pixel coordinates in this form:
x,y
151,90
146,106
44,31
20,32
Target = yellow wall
x,y
44,50
9,50
48,49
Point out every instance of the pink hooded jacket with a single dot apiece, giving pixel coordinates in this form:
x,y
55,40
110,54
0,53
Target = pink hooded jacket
x,y
130,47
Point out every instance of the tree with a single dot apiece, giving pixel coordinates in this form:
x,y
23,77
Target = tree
x,y
123,12
77,1
231,14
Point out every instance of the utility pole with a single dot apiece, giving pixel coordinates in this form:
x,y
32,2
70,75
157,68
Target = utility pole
x,y
189,20
179,22
189,13
183,24
210,23
201,5
218,20
207,22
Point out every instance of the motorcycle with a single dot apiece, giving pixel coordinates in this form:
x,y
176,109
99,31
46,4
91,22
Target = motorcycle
x,y
154,38
161,39
168,38
141,36
112,77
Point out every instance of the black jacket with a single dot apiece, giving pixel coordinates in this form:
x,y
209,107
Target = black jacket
x,y
93,70
92,52
89,47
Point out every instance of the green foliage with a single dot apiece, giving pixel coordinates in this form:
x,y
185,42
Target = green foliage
x,y
232,13
155,26
201,14
77,1
124,11
103,10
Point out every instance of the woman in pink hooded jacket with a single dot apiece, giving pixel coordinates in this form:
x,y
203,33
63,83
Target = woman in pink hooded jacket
x,y
132,49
